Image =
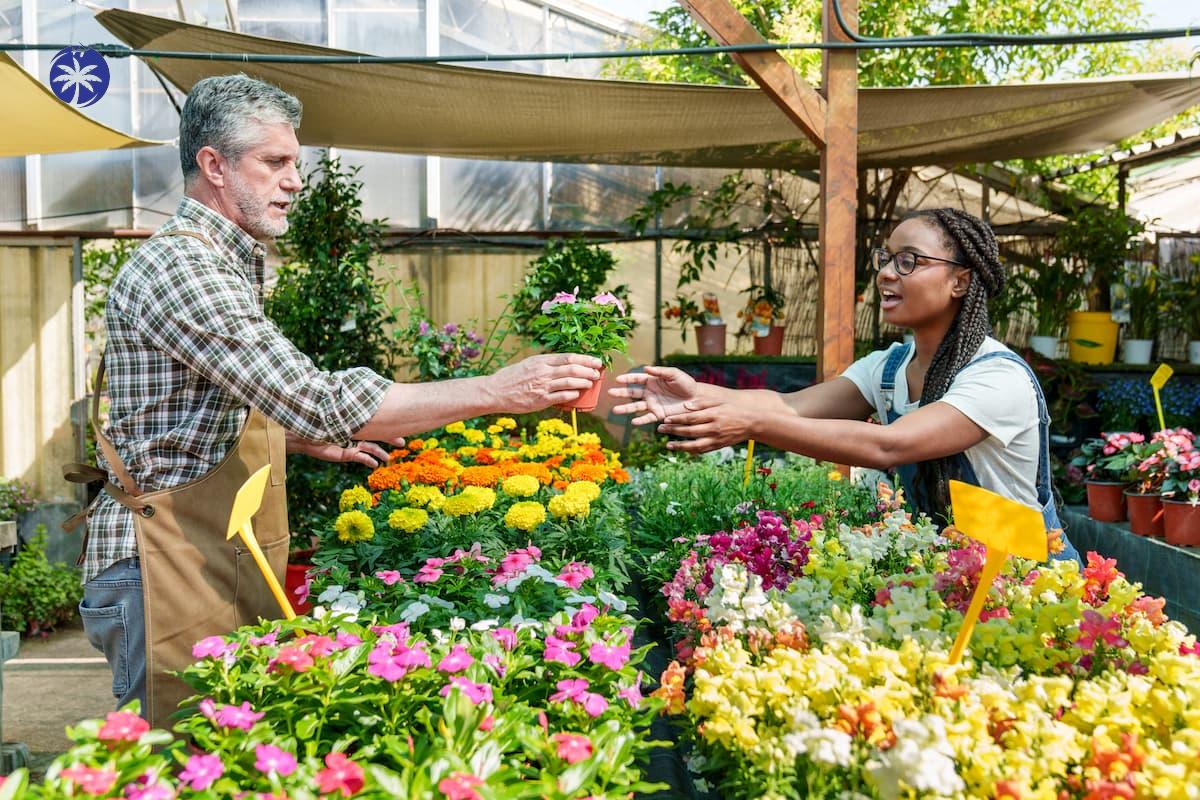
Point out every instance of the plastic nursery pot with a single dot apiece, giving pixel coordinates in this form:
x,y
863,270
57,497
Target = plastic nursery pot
x,y
771,344
1137,351
1106,501
1092,337
588,399
710,340
1145,513
1044,345
1181,523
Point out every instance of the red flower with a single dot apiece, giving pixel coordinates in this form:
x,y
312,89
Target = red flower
x,y
122,726
340,775
460,786
572,747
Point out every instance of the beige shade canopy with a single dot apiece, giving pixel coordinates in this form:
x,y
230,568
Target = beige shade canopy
x,y
490,114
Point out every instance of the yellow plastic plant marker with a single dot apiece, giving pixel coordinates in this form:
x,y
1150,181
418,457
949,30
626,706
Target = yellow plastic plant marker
x,y
1157,381
245,506
749,462
574,423
1004,527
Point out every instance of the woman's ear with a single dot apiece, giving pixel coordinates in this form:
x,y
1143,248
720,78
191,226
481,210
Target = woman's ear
x,y
962,282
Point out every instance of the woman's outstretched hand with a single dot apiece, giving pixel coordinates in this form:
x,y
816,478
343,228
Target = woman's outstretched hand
x,y
655,394
710,424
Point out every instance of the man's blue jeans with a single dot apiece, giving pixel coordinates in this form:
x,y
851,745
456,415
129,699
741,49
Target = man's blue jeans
x,y
115,622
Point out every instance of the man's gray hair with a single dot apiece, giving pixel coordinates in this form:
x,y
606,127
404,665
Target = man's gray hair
x,y
222,113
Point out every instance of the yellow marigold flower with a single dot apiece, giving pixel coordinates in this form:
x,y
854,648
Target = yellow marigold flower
x,y
588,439
408,519
426,496
586,489
354,526
466,452
474,436
455,427
570,505
358,496
521,485
497,444
526,515
506,423
494,429
431,443
554,427
834,475
471,500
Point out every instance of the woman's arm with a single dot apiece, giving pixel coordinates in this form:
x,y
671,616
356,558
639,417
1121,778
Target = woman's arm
x,y
932,431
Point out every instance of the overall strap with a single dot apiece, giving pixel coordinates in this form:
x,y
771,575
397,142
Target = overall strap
x,y
887,384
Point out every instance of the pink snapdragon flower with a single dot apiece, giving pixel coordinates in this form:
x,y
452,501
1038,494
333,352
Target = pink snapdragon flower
x,y
1095,626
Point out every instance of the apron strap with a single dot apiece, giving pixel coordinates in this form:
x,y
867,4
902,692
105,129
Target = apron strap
x,y
105,444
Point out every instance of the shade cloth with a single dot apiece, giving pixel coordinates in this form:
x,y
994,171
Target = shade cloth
x,y
40,123
479,113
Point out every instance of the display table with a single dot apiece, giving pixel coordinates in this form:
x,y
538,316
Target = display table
x,y
781,373
1163,570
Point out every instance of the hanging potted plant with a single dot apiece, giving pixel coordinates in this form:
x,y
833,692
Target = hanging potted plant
x,y
1054,289
1145,307
1143,501
1181,307
1181,490
1096,241
597,327
763,309
1107,462
710,328
16,498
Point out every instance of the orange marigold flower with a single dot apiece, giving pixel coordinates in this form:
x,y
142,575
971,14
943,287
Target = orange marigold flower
x,y
416,444
387,477
588,472
480,476
553,462
620,475
560,484
539,471
485,456
594,456
397,454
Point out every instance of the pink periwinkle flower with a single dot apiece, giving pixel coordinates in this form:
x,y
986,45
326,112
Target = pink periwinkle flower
x,y
614,657
213,647
390,577
122,726
291,656
456,660
264,641
393,662
609,299
460,786
477,692
268,758
561,651
507,637
92,780
561,297
241,717
202,771
427,574
572,747
633,693
575,573
340,775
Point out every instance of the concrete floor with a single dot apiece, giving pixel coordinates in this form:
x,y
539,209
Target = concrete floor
x,y
52,683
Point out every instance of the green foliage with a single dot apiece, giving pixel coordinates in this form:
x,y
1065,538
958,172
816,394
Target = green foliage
x,y
329,304
577,325
16,498
1097,241
1068,388
1181,300
1052,290
35,595
1145,303
563,265
327,300
438,352
100,266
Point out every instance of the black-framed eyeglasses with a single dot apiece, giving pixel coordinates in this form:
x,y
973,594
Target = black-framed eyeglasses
x,y
905,261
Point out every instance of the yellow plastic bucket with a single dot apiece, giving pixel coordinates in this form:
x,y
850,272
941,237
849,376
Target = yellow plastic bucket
x,y
1092,337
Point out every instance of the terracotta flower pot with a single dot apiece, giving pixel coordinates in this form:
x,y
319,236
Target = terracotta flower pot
x,y
588,399
771,344
1181,523
710,340
1106,501
1145,513
293,580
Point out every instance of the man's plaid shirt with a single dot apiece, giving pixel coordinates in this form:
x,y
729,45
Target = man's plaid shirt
x,y
189,352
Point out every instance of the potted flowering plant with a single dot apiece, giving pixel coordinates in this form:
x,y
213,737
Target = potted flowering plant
x,y
763,309
16,498
1054,290
1181,490
1107,462
710,327
1142,499
597,327
1145,306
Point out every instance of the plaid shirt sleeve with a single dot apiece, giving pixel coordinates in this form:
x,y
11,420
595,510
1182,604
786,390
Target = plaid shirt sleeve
x,y
205,314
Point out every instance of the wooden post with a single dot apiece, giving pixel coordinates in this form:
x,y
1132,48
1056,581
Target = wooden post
x,y
839,183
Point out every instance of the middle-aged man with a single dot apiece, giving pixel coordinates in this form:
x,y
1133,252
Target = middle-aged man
x,y
205,391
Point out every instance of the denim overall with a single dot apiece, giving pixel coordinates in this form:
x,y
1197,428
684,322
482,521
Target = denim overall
x,y
963,467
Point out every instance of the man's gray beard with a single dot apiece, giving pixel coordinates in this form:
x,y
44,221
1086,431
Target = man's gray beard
x,y
254,213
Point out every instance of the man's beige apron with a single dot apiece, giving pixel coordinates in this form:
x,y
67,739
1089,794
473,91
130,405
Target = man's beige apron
x,y
195,582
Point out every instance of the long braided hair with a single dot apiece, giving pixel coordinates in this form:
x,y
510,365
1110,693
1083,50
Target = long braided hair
x,y
972,242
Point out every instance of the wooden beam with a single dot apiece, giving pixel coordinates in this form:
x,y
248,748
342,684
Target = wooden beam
x,y
803,105
839,183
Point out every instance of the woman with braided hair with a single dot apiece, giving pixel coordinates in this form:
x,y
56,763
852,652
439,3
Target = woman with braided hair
x,y
956,404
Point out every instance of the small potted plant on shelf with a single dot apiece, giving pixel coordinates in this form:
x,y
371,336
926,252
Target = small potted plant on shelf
x,y
16,498
1144,305
1107,462
764,308
1181,490
1181,307
1055,290
710,327
1143,500
597,327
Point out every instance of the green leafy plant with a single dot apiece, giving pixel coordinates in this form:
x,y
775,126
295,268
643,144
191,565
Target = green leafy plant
x,y
1096,241
685,312
438,352
16,498
329,304
101,263
570,324
764,307
1053,290
37,596
1181,302
1068,389
1112,457
562,263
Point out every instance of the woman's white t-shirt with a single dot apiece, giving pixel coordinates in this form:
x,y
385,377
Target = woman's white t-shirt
x,y
996,395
